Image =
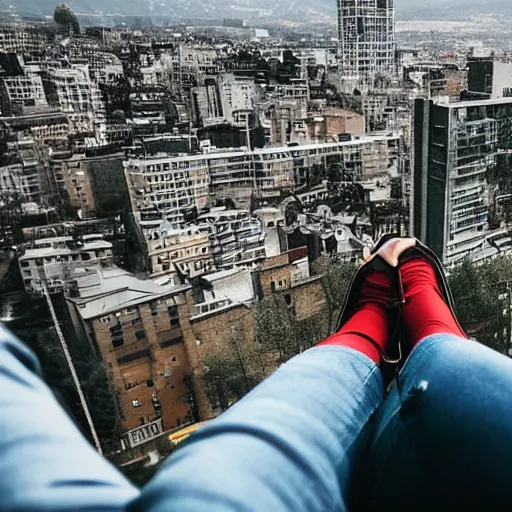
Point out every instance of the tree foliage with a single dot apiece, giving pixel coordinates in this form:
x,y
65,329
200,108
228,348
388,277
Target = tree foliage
x,y
482,294
335,281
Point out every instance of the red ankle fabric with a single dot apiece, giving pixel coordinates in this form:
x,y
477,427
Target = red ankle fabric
x,y
426,312
370,319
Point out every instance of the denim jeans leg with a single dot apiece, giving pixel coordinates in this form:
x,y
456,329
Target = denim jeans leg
x,y
45,462
444,434
287,446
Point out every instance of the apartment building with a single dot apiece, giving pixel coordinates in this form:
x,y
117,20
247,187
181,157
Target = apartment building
x,y
93,185
457,147
366,34
21,91
175,184
135,326
47,126
186,248
72,90
236,237
23,176
23,39
53,260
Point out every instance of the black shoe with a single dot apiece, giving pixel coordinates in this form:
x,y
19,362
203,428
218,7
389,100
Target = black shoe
x,y
383,258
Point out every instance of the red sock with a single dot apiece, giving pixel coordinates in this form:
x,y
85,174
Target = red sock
x,y
426,312
370,319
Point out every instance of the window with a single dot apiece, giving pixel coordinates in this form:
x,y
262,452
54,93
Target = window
x,y
142,420
273,286
288,299
154,308
133,356
173,341
174,315
140,335
136,403
173,359
25,264
136,321
117,342
150,383
171,386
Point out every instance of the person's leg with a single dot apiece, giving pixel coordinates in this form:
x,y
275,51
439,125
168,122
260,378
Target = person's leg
x,y
425,312
443,436
290,444
286,446
45,462
367,330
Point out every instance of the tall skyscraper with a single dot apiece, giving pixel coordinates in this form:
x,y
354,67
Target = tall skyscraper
x,y
366,30
461,198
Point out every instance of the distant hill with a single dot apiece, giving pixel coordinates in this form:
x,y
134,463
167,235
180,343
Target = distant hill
x,y
286,9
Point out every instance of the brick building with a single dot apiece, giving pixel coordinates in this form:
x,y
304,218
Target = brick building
x,y
94,185
327,125
156,340
288,274
136,328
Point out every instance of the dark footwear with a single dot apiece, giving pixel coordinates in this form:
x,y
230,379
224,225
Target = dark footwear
x,y
383,258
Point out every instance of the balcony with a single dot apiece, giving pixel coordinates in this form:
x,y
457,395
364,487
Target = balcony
x,y
210,307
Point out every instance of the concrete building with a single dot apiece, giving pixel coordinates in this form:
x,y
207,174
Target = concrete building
x,y
23,176
330,123
47,126
166,247
224,98
366,31
288,112
73,92
456,150
21,91
236,237
93,185
175,184
55,259
23,39
135,326
489,77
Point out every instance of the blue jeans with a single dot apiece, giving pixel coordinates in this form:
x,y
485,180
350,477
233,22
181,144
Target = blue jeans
x,y
315,436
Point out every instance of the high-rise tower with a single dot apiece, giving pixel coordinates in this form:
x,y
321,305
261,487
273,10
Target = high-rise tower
x,y
366,30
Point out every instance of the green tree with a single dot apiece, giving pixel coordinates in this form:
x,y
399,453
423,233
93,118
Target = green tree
x,y
233,369
481,296
336,278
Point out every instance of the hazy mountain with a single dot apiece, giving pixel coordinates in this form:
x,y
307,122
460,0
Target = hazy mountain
x,y
433,9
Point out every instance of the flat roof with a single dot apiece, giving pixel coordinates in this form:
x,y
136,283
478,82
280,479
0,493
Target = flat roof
x,y
361,140
477,103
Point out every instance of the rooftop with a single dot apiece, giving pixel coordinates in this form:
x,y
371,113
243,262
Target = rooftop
x,y
104,291
364,139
